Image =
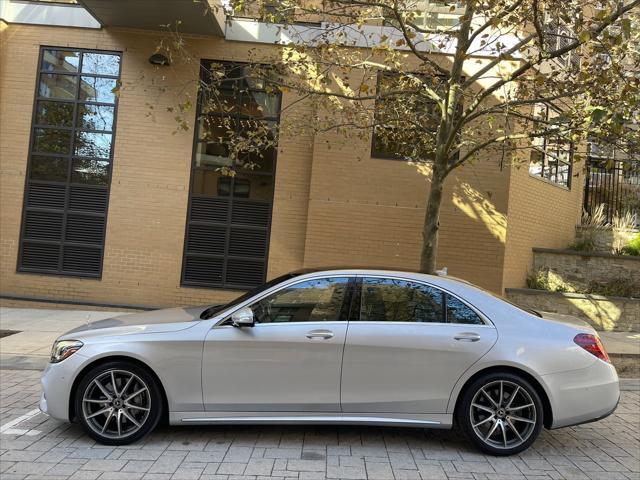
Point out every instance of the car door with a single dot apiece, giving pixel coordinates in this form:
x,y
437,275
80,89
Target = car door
x,y
290,360
407,345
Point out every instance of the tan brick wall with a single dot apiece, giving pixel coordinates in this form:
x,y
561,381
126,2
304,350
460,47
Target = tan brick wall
x,y
541,214
150,180
368,211
331,206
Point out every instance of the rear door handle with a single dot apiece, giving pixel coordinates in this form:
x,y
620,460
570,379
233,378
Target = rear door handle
x,y
323,334
467,337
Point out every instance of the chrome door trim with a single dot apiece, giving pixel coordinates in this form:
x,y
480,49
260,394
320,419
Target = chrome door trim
x,y
312,419
483,317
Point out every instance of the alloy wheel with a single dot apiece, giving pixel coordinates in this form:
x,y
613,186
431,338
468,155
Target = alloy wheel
x,y
116,403
503,414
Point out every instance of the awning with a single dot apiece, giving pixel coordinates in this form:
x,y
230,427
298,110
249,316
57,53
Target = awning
x,y
203,17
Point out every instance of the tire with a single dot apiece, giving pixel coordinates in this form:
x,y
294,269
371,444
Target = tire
x,y
122,416
501,428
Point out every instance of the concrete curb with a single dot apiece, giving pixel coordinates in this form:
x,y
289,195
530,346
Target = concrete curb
x,y
23,362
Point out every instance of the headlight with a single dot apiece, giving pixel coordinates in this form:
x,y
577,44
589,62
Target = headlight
x,y
63,349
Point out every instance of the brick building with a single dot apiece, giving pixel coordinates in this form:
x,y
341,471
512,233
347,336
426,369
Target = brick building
x,y
102,202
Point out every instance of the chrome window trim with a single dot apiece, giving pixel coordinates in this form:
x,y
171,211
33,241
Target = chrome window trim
x,y
483,317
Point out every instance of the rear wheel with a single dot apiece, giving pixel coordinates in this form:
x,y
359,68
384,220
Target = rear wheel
x,y
118,403
501,413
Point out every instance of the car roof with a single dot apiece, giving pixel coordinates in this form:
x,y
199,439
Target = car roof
x,y
377,271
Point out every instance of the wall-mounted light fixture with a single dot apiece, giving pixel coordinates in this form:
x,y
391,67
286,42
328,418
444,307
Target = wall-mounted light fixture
x,y
159,59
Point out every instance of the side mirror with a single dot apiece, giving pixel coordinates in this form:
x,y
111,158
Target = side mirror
x,y
243,318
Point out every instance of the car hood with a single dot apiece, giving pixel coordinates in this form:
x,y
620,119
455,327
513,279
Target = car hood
x,y
154,321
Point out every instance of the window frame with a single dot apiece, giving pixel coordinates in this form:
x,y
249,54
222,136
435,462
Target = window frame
x,y
547,143
237,116
356,303
76,102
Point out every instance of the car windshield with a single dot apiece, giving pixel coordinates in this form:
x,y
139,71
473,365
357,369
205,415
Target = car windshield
x,y
214,309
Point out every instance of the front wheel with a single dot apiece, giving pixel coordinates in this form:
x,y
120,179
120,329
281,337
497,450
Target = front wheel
x,y
118,403
501,414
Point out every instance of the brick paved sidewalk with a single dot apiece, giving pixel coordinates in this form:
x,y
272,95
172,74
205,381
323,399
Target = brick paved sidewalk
x,y
609,449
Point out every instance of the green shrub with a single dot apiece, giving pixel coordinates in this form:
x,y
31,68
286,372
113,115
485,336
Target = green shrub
x,y
587,244
633,247
619,287
538,280
546,280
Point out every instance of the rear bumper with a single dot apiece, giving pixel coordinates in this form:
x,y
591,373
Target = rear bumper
x,y
585,395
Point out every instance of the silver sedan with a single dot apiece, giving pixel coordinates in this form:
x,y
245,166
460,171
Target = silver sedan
x,y
336,347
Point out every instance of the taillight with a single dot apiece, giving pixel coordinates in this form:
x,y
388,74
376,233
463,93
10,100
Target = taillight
x,y
593,345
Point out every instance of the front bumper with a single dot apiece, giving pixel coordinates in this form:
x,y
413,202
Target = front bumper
x,y
585,395
57,381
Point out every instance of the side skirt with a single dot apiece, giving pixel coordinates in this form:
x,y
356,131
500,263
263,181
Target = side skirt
x,y
443,421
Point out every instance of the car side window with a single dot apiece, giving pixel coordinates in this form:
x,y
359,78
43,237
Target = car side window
x,y
392,300
317,300
458,312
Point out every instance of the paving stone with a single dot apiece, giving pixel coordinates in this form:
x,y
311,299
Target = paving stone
x,y
307,465
104,465
259,466
604,450
346,473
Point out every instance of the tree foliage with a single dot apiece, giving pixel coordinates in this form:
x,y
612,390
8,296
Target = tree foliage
x,y
441,83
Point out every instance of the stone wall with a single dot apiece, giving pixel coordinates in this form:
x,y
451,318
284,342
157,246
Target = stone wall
x,y
579,270
603,313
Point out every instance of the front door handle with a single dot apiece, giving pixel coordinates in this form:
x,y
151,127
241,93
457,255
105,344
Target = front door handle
x,y
467,337
323,334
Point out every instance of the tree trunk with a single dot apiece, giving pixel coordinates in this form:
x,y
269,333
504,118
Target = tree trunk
x,y
431,222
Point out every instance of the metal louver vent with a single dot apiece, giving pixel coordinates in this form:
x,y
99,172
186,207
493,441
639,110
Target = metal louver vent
x,y
88,199
84,260
40,256
208,239
46,196
242,272
250,213
43,225
247,242
84,229
203,270
209,209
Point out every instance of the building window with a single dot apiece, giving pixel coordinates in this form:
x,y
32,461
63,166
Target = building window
x,y
69,167
439,14
229,216
559,34
551,155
